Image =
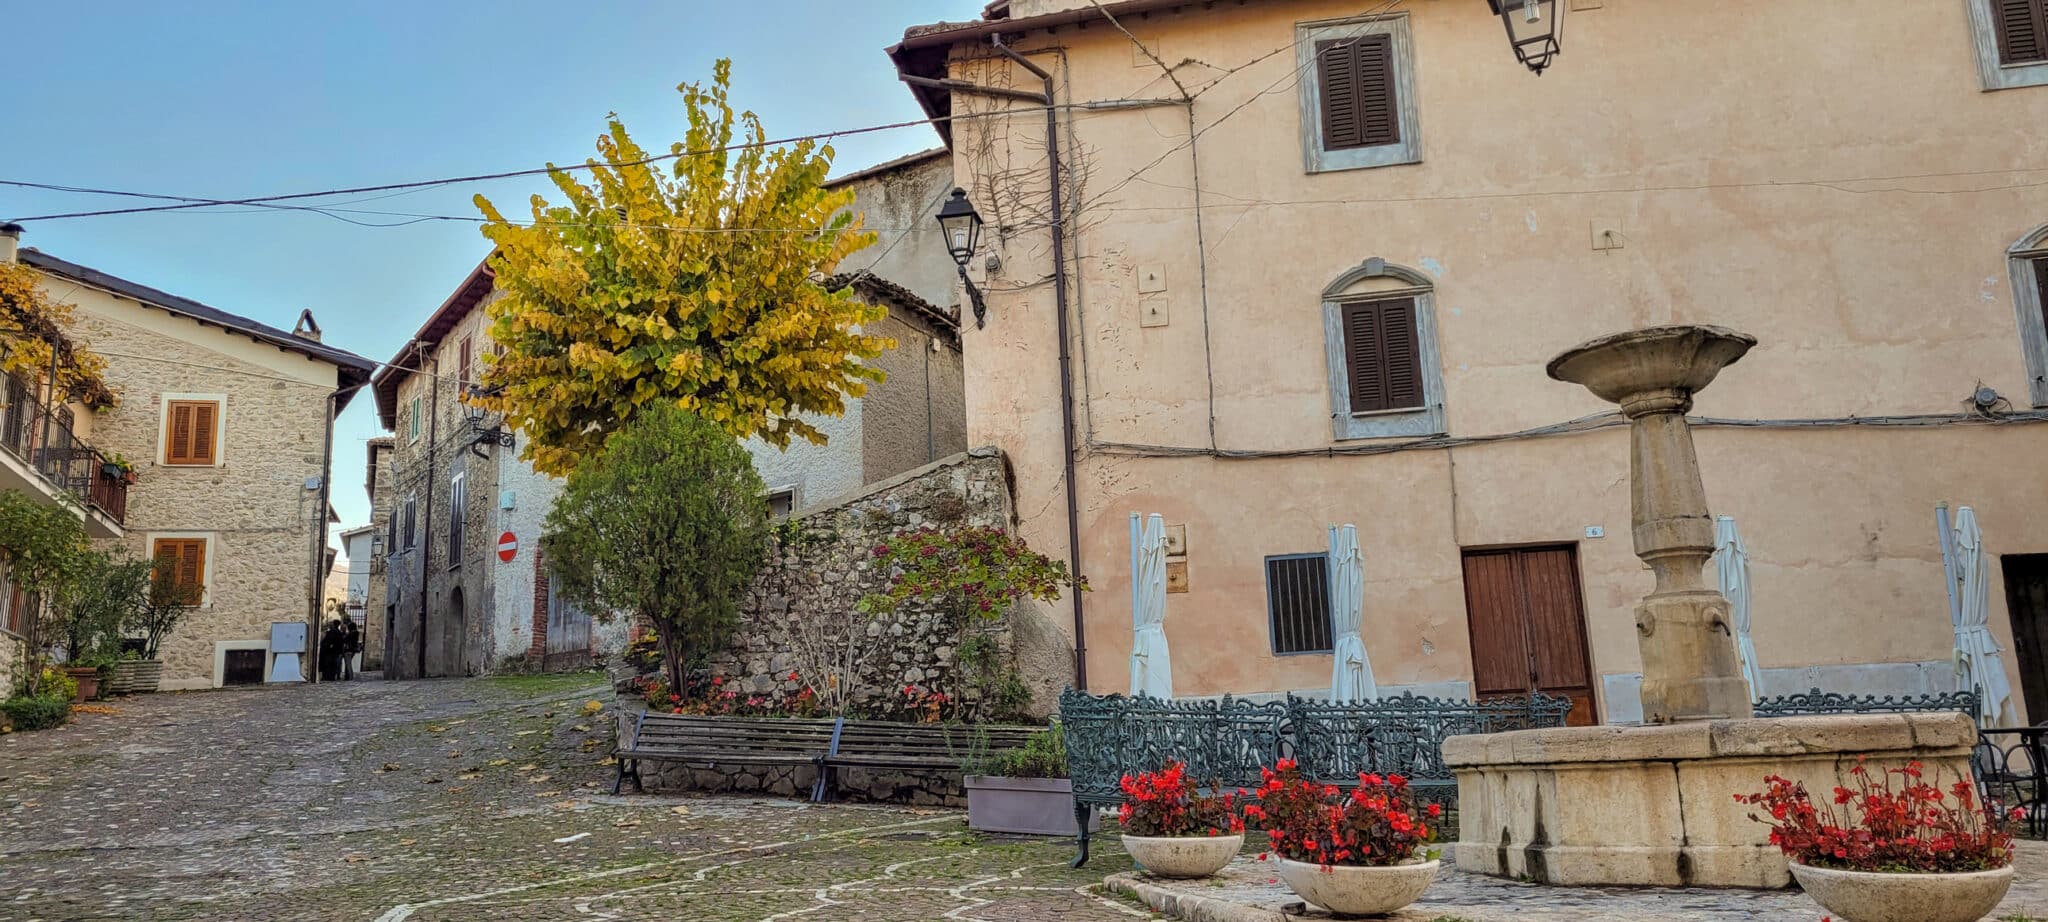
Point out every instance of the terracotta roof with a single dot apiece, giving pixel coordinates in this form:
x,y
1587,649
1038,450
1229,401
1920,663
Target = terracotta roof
x,y
876,288
924,49
887,165
354,369
475,287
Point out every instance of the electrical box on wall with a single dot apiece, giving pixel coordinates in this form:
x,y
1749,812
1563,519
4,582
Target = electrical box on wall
x,y
1176,576
505,499
1152,311
1176,540
1151,279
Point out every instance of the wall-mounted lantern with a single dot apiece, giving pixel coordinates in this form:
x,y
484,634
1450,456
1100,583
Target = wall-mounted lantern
x,y
962,226
1535,29
480,434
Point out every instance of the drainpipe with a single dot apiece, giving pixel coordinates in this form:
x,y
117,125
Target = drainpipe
x,y
426,545
1059,282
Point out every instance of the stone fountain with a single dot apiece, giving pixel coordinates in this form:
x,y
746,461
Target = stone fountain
x,y
1653,805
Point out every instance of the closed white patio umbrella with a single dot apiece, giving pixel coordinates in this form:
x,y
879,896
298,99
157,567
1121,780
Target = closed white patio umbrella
x,y
1731,565
1351,677
1151,667
1977,653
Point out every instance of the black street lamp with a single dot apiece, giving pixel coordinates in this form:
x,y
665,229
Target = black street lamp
x,y
480,434
1535,29
962,226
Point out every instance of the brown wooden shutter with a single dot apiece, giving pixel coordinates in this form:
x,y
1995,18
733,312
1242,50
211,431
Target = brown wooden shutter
x,y
2022,27
1355,77
187,559
1383,355
2041,284
463,386
194,432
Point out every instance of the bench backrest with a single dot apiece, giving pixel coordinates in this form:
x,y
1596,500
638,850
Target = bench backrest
x,y
1229,740
1823,702
1223,741
1404,734
658,732
931,741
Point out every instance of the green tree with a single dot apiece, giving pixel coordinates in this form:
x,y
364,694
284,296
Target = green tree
x,y
99,597
44,544
695,282
669,524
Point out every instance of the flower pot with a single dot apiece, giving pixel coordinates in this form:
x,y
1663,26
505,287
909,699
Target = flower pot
x,y
1030,806
1183,856
88,679
120,677
1348,890
1866,896
111,470
149,673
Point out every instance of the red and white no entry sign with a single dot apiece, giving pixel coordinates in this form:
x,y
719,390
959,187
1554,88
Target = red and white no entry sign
x,y
508,547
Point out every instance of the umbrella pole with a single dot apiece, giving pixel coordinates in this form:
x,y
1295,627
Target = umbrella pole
x,y
1946,536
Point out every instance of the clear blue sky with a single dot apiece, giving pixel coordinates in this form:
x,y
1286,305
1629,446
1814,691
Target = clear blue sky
x,y
229,100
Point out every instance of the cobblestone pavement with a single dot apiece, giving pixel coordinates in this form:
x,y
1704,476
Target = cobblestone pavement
x,y
461,799
1249,891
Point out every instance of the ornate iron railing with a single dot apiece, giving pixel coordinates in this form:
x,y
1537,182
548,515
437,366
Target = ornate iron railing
x,y
1337,741
2011,765
1227,741
44,442
1825,702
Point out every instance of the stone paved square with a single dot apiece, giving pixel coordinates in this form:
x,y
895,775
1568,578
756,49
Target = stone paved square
x,y
445,800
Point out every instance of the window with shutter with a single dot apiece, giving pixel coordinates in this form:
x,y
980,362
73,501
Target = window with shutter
x,y
414,417
462,385
1383,356
411,522
192,432
1379,338
1356,83
2022,30
185,559
1357,93
458,509
2041,287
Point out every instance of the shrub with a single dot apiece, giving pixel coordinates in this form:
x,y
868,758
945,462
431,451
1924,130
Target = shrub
x,y
1912,828
1162,803
56,684
25,713
1044,756
1378,824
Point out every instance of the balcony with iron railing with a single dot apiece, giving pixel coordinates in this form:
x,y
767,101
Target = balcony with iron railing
x,y
40,454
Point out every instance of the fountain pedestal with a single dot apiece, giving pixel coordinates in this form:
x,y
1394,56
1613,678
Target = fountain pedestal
x,y
1654,805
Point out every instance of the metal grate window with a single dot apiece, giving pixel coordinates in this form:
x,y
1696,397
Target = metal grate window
x,y
1298,602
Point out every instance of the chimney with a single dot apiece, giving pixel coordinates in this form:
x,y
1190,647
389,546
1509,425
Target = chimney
x,y
307,329
10,238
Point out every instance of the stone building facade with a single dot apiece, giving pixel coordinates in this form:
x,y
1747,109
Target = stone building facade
x,y
245,493
378,610
452,490
1876,231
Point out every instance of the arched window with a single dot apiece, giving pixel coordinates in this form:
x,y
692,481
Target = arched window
x,y
2028,262
1379,331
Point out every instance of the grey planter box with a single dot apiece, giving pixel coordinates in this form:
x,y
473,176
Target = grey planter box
x,y
1031,806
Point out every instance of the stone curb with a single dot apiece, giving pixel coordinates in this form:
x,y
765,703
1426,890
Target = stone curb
x,y
1187,906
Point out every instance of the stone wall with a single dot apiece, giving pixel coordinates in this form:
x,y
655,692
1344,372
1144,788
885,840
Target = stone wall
x,y
11,650
801,617
872,785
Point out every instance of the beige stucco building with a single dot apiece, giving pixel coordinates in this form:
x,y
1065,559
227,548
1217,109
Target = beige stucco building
x,y
1313,275
226,423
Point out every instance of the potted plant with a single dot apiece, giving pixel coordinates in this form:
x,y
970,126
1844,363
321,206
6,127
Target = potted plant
x,y
1892,849
118,467
1365,852
1172,830
162,608
1023,791
86,681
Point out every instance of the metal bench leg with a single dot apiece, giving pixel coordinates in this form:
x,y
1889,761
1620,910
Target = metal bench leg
x,y
628,768
1081,816
818,783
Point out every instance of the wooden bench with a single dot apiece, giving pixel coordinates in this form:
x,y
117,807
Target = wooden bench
x,y
657,737
825,744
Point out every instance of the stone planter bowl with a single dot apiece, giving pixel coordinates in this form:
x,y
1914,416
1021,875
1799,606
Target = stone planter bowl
x,y
1863,896
1359,891
1183,856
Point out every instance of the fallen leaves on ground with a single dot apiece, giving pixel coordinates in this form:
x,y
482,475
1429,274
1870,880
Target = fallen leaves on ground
x,y
355,859
408,842
592,707
94,709
679,810
389,767
497,762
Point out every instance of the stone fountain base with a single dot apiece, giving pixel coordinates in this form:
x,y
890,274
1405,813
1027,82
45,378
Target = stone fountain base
x,y
1654,806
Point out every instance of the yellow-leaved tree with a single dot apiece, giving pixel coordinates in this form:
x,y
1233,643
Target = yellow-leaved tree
x,y
32,325
696,280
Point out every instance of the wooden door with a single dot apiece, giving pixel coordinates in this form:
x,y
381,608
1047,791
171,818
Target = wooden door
x,y
1528,626
568,640
2026,602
